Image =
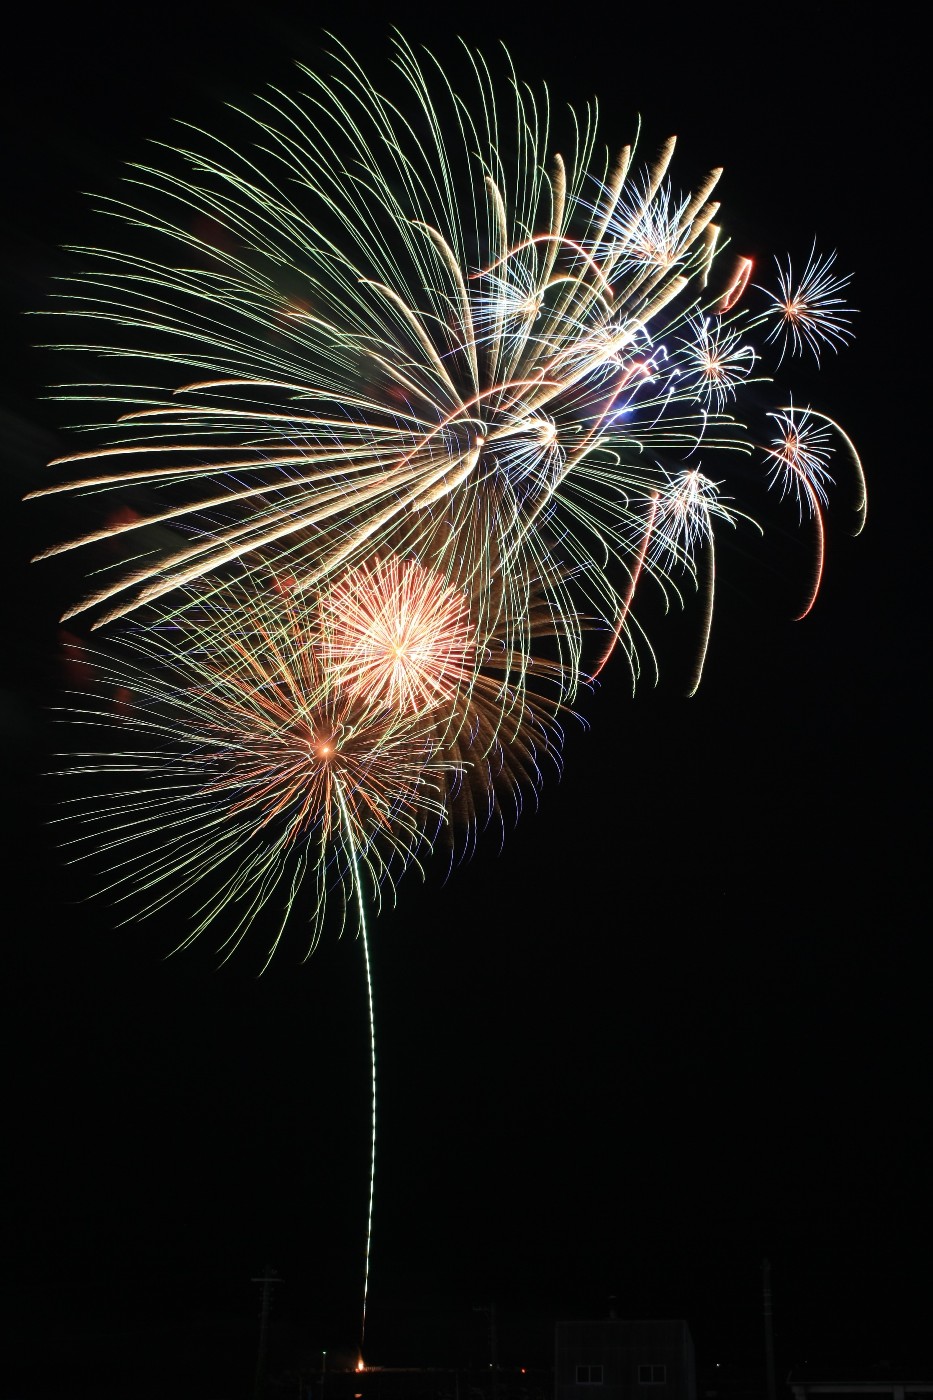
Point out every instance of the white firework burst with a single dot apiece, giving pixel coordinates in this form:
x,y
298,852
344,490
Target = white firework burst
x,y
808,312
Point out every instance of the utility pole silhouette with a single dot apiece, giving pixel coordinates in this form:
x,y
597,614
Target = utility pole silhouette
x,y
268,1278
490,1312
769,1328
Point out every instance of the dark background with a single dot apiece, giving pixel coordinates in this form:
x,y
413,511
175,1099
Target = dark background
x,y
680,1020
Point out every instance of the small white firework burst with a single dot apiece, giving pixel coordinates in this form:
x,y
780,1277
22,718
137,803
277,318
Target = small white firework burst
x,y
809,312
683,517
649,229
530,448
715,360
798,458
506,302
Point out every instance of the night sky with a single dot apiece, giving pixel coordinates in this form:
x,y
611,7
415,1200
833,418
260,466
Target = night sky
x,y
678,1021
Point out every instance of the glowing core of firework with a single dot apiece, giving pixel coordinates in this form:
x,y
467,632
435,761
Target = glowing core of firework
x,y
399,635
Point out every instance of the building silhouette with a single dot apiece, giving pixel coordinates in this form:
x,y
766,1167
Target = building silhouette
x,y
615,1359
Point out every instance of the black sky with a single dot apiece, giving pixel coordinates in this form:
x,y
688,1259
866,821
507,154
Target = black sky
x,y
680,1021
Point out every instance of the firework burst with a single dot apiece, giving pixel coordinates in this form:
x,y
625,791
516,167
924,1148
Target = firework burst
x,y
808,312
798,460
355,372
715,360
251,771
398,635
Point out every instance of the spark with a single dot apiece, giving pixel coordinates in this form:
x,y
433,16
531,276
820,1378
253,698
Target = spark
x,y
648,226
684,517
798,458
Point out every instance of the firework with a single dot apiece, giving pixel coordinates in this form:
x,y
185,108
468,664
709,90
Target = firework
x,y
400,638
482,356
251,771
798,459
425,408
808,313
716,361
278,742
398,635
